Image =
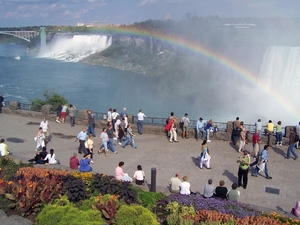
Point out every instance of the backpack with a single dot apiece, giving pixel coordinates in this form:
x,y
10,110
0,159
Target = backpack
x,y
296,138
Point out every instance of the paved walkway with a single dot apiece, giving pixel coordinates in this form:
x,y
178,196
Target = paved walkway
x,y
154,151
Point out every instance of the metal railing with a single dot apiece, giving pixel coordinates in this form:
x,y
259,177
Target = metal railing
x,y
153,121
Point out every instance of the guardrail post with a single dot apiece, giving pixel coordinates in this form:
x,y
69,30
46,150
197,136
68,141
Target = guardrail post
x,y
153,180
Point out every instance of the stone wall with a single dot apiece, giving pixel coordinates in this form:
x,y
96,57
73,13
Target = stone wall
x,y
81,120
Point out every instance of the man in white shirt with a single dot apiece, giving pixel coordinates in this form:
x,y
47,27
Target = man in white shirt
x,y
140,116
46,129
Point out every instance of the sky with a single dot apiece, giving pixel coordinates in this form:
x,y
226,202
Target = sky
x,y
19,13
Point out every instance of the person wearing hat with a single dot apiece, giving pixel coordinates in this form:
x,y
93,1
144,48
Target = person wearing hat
x,y
244,162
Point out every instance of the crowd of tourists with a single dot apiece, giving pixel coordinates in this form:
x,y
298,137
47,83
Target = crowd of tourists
x,y
119,129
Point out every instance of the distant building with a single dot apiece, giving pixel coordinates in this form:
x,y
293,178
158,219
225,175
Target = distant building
x,y
239,25
89,25
168,16
80,24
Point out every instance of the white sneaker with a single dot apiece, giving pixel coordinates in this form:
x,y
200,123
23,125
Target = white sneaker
x,y
120,143
57,121
92,161
208,141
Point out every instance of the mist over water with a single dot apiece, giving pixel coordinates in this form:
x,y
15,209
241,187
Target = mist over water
x,y
221,96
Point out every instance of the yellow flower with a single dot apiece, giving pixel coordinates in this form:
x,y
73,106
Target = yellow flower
x,y
9,182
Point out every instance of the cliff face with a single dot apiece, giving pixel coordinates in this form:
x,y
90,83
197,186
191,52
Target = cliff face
x,y
137,54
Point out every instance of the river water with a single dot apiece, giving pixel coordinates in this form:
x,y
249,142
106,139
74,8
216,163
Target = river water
x,y
84,85
99,88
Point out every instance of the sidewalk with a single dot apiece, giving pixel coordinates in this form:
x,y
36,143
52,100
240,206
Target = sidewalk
x,y
154,151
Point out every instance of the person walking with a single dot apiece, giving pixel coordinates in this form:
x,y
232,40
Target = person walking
x,y
114,116
263,162
129,137
110,133
72,110
243,169
40,139
46,129
173,132
205,156
81,137
89,144
91,122
140,116
292,144
103,142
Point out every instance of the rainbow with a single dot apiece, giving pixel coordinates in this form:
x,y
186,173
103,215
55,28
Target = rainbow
x,y
208,53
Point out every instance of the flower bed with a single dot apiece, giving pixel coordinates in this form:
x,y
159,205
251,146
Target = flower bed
x,y
100,198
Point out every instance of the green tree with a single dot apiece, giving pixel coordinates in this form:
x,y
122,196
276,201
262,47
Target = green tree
x,y
50,98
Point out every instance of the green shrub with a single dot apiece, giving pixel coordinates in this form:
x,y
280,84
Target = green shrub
x,y
148,199
51,98
8,167
62,212
135,215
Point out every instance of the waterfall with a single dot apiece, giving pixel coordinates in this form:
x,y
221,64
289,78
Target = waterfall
x,y
280,74
77,47
281,68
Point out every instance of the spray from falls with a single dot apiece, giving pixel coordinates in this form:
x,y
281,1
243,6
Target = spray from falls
x,y
75,48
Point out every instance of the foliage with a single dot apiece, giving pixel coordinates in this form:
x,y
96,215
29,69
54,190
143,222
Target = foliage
x,y
113,51
51,98
180,214
8,167
135,215
5,203
74,188
33,187
86,177
103,184
108,206
281,218
148,199
238,210
62,212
